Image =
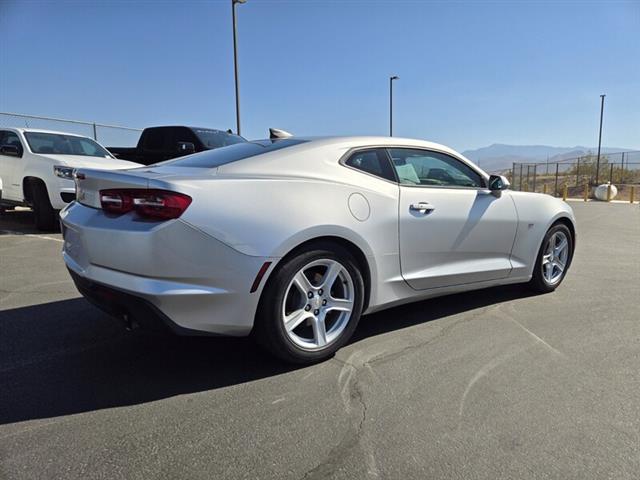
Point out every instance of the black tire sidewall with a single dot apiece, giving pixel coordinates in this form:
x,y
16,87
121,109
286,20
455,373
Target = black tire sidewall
x,y
269,328
45,215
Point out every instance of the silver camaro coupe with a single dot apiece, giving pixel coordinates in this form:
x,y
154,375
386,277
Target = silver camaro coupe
x,y
292,240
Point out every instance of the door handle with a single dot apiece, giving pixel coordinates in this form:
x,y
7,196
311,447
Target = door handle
x,y
422,207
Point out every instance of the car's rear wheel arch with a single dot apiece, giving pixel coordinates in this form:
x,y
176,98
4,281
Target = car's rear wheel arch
x,y
327,242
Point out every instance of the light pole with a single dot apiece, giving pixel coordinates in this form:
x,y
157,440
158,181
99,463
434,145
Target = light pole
x,y
391,79
599,139
235,61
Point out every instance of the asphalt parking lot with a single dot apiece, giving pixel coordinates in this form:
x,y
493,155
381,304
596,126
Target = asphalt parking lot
x,y
491,384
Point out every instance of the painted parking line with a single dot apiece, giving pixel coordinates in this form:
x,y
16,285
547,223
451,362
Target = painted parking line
x,y
31,235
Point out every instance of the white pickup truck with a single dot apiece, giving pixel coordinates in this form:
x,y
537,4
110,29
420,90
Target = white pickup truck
x,y
36,168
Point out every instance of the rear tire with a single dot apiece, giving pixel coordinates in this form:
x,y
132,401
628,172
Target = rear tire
x,y
46,218
554,259
311,305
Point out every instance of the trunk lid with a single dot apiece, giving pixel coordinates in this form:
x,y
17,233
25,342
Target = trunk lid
x,y
89,182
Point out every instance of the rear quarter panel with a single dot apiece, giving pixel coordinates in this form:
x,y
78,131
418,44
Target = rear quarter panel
x,y
269,217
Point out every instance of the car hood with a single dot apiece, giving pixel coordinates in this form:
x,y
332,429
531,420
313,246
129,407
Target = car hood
x,y
98,163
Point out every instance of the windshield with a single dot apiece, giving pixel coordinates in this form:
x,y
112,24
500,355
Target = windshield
x,y
60,144
232,153
217,138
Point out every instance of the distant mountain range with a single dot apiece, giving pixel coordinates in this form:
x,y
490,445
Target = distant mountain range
x,y
499,156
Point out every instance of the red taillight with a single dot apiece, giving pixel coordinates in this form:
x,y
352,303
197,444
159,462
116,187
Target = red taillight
x,y
160,204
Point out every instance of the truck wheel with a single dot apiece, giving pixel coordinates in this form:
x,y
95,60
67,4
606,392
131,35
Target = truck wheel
x,y
45,216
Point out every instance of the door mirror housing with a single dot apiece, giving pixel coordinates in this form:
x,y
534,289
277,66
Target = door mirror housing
x,y
498,182
186,148
11,150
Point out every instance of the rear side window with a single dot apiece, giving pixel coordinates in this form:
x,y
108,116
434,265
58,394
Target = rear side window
x,y
233,153
374,162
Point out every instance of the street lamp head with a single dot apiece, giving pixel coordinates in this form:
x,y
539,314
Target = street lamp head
x,y
239,1
394,77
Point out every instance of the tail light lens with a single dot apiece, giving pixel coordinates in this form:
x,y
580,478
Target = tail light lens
x,y
157,204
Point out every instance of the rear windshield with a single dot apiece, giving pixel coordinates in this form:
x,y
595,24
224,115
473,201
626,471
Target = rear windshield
x,y
216,139
233,153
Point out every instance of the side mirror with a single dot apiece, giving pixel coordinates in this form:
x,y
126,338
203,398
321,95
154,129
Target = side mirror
x,y
186,148
498,182
11,150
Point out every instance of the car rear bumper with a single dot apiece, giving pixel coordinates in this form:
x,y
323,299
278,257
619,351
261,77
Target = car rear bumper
x,y
169,273
131,309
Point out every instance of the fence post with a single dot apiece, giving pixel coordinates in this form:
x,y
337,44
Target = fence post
x,y
513,175
586,191
520,183
555,190
95,132
565,192
578,172
535,175
611,174
622,170
609,192
544,188
632,194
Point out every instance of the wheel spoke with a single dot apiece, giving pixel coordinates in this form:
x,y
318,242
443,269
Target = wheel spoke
x,y
294,319
552,243
339,304
330,276
559,264
302,282
319,330
558,249
548,271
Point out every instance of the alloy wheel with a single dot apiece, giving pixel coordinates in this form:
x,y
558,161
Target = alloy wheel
x,y
554,259
318,304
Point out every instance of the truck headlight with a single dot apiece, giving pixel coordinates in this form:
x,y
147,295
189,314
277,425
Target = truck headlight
x,y
63,172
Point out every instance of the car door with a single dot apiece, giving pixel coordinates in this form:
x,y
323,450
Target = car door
x,y
10,165
453,230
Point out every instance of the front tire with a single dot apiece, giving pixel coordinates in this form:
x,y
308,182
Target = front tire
x,y
46,218
554,259
311,305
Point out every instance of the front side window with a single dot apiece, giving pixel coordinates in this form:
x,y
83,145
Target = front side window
x,y
59,144
424,167
373,162
10,139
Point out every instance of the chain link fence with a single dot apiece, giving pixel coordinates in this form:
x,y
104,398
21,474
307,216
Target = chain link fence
x,y
107,135
576,177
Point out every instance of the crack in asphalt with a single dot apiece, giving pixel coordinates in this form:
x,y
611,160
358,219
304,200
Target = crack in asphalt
x,y
354,435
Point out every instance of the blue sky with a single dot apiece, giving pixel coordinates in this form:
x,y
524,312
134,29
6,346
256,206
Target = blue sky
x,y
471,73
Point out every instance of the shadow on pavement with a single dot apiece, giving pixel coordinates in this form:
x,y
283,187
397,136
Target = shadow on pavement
x,y
67,357
20,222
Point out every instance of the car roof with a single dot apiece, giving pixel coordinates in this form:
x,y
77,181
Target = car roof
x,y
372,141
41,130
190,127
